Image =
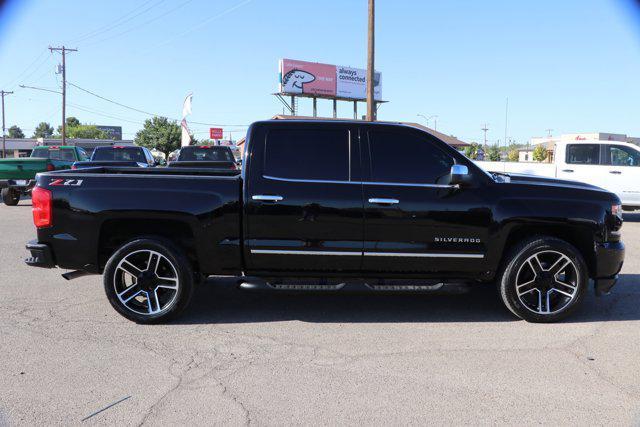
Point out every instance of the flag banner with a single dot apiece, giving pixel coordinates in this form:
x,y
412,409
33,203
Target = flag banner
x,y
186,138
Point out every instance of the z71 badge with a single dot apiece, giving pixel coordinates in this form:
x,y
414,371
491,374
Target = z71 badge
x,y
66,182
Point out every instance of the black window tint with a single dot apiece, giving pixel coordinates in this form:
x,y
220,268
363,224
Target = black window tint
x,y
619,155
130,154
213,154
406,157
583,154
307,154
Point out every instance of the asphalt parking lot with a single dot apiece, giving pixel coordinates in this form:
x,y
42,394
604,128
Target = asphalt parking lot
x,y
247,358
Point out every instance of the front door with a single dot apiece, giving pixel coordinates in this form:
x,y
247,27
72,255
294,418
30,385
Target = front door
x,y
304,204
582,163
622,166
414,221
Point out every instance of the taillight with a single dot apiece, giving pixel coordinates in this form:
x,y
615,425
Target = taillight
x,y
41,207
50,167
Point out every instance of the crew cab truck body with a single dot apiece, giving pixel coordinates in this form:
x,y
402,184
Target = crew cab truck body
x,y
612,165
17,175
330,205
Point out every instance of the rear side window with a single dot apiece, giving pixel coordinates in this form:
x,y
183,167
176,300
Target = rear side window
x,y
406,157
321,154
583,154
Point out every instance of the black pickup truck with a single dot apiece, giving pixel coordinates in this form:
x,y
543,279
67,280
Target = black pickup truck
x,y
209,156
330,205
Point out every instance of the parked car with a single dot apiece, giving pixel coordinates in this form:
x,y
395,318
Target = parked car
x,y
17,175
612,165
330,205
205,156
119,155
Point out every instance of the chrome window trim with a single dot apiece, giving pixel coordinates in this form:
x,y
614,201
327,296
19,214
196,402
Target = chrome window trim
x,y
292,252
323,181
359,253
423,255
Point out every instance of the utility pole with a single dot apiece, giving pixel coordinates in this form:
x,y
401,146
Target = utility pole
x,y
549,132
4,152
506,120
371,103
485,129
63,50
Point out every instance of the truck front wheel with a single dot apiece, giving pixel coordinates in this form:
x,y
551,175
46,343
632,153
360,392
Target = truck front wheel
x,y
10,196
544,279
148,280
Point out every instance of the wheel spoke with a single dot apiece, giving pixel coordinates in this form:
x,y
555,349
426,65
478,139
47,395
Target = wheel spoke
x,y
566,287
129,293
527,287
535,265
129,268
559,265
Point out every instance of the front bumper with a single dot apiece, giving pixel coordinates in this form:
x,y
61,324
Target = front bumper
x,y
41,255
609,259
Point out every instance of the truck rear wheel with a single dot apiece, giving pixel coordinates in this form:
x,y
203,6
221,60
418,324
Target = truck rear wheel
x,y
148,280
544,280
10,196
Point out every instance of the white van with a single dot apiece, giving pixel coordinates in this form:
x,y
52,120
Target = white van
x,y
612,165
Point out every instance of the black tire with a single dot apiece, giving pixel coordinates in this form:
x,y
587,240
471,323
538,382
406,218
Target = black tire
x,y
537,297
10,196
171,262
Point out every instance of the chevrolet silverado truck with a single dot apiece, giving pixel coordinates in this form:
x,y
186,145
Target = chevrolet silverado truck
x,y
17,175
330,205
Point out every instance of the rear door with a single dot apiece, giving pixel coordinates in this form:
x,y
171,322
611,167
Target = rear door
x,y
303,198
582,163
415,222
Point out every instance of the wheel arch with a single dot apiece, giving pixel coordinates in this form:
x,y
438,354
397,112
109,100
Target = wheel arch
x,y
116,232
580,237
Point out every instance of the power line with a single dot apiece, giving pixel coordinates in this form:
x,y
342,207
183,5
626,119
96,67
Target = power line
x,y
117,22
141,25
40,64
147,112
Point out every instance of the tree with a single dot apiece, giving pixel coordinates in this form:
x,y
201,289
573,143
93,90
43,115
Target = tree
x,y
513,155
493,152
43,130
159,133
471,151
540,153
86,132
15,132
71,122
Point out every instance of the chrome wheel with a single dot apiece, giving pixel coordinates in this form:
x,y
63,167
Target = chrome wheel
x,y
547,282
146,282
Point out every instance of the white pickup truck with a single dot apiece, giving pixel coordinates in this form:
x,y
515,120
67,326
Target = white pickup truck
x,y
612,165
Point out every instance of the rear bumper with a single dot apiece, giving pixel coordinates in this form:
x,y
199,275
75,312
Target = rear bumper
x,y
41,255
18,184
609,260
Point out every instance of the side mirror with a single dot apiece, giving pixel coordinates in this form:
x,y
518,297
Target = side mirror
x,y
459,175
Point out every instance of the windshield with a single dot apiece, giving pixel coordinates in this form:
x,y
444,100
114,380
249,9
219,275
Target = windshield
x,y
211,154
54,153
127,154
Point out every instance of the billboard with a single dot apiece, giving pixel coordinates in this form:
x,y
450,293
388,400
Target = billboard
x,y
215,133
114,132
352,83
313,78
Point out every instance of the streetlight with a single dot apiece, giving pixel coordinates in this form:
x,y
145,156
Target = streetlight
x,y
435,121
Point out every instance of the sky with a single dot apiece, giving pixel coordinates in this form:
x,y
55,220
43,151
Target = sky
x,y
570,66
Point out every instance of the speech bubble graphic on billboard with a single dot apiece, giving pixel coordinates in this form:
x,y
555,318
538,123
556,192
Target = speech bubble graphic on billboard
x,y
294,80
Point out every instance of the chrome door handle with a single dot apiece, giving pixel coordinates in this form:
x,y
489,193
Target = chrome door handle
x,y
384,201
265,198
616,172
567,170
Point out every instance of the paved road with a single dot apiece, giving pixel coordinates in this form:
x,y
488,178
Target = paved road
x,y
246,358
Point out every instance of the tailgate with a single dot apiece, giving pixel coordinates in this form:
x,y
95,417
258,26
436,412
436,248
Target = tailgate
x,y
21,168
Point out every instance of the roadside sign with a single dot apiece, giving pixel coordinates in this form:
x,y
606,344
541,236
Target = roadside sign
x,y
215,133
